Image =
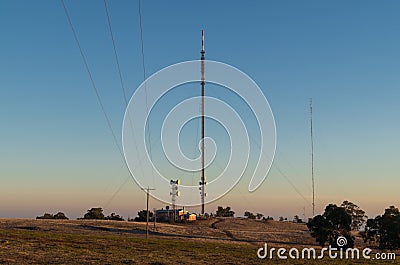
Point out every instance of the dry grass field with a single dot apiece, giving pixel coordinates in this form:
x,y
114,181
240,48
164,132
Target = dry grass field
x,y
217,241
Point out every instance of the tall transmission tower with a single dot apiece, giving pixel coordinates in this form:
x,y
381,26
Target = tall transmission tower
x,y
202,182
312,159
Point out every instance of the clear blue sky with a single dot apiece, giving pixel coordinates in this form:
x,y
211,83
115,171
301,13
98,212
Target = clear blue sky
x,y
57,153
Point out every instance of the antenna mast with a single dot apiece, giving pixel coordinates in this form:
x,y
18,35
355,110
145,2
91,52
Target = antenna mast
x,y
202,180
174,193
312,160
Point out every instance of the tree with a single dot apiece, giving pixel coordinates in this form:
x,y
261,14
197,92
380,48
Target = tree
x,y
249,215
385,229
94,213
389,229
114,217
142,216
60,216
46,216
259,216
334,222
371,230
296,219
320,229
224,212
268,218
357,215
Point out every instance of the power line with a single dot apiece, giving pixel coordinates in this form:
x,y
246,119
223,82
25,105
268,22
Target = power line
x,y
118,190
91,78
140,160
145,87
96,90
295,171
115,53
290,182
236,186
279,170
309,189
125,99
141,39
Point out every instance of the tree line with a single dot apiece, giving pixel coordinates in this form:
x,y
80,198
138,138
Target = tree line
x,y
336,221
91,214
339,221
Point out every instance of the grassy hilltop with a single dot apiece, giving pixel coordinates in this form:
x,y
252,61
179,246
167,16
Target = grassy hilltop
x,y
218,241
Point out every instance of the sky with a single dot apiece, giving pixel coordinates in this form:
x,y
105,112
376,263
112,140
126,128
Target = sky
x,y
58,154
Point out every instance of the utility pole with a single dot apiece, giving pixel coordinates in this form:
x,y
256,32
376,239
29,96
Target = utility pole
x,y
155,217
312,159
203,180
147,210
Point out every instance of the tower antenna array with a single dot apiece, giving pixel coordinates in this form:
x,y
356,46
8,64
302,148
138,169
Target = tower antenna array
x,y
202,180
174,193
